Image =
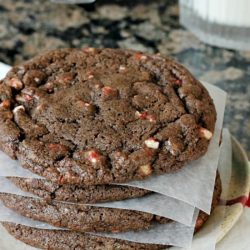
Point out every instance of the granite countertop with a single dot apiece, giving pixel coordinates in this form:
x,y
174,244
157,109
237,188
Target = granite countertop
x,y
29,27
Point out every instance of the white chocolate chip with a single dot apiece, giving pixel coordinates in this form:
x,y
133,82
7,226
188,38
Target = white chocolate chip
x,y
145,169
90,76
98,86
171,148
137,114
16,109
86,104
145,116
21,70
206,133
58,169
37,79
122,68
93,160
89,49
152,143
151,118
143,57
92,156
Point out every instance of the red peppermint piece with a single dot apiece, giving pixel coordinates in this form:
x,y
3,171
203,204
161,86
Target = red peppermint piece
x,y
92,156
142,115
28,98
140,56
178,81
108,91
244,200
145,116
67,77
61,180
5,104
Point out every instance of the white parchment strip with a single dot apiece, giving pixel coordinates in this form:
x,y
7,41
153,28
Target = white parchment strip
x,y
206,238
4,68
153,203
173,233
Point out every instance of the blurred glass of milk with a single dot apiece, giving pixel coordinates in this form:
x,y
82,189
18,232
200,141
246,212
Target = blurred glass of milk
x,y
223,23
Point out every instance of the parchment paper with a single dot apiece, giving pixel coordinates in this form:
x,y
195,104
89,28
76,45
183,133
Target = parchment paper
x,y
153,203
207,237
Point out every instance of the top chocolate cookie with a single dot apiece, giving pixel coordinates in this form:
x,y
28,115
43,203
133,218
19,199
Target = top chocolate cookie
x,y
96,116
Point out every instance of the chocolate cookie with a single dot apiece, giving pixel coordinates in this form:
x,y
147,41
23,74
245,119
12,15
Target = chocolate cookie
x,y
67,240
97,116
78,217
89,194
83,218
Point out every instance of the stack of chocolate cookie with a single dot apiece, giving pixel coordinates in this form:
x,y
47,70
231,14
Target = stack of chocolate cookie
x,y
86,120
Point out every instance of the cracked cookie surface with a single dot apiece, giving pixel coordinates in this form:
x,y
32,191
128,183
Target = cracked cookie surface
x,y
97,116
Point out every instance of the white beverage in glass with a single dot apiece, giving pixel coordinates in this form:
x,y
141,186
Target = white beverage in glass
x,y
225,23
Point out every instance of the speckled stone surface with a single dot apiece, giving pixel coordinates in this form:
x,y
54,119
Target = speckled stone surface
x,y
29,27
